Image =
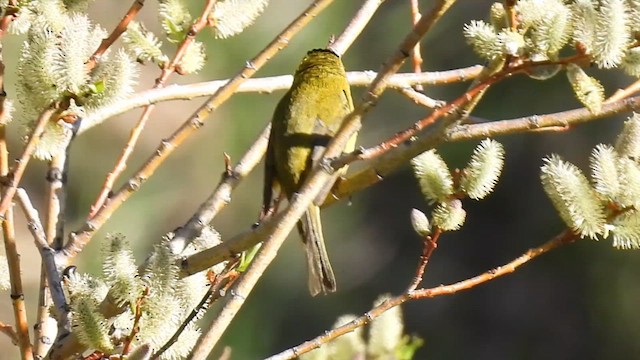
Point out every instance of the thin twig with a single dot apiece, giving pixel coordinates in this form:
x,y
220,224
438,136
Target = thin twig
x,y
221,196
429,245
217,289
624,93
81,237
54,233
167,71
450,108
135,327
8,330
421,99
115,34
49,261
385,165
10,14
416,56
355,26
566,237
266,85
14,177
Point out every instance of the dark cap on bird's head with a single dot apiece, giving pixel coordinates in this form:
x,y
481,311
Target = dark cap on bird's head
x,y
321,61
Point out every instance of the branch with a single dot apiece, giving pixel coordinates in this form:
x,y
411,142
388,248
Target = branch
x,y
14,177
8,330
355,26
10,14
54,233
48,261
416,56
392,161
265,85
221,196
78,239
115,34
566,237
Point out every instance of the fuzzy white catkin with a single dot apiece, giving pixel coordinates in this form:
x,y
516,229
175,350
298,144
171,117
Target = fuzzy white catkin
x,y
433,176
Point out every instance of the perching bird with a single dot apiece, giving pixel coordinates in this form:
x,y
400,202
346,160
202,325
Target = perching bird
x,y
305,120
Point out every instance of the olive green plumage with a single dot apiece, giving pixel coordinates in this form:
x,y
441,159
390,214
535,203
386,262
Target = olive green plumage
x,y
304,122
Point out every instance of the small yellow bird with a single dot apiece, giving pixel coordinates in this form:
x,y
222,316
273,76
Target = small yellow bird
x,y
305,120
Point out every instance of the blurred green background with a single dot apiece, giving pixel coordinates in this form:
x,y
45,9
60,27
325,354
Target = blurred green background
x,y
578,302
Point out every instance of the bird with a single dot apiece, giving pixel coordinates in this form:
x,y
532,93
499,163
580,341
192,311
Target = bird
x,y
304,121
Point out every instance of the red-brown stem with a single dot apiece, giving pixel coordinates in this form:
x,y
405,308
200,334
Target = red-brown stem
x,y
512,15
115,34
429,245
136,322
566,237
452,107
121,164
10,14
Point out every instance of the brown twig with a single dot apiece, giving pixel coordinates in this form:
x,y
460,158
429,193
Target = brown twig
x,y
14,177
355,26
381,167
135,328
387,164
115,34
416,56
624,93
218,288
421,99
49,261
221,195
512,14
448,109
170,68
10,14
429,245
8,330
54,233
566,237
78,239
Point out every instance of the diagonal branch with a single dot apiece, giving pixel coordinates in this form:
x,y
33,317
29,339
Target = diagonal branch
x,y
14,177
566,237
115,34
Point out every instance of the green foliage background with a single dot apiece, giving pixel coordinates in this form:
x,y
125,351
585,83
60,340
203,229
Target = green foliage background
x,y
579,302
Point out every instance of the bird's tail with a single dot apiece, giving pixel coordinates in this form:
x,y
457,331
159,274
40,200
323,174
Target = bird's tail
x,y
321,278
